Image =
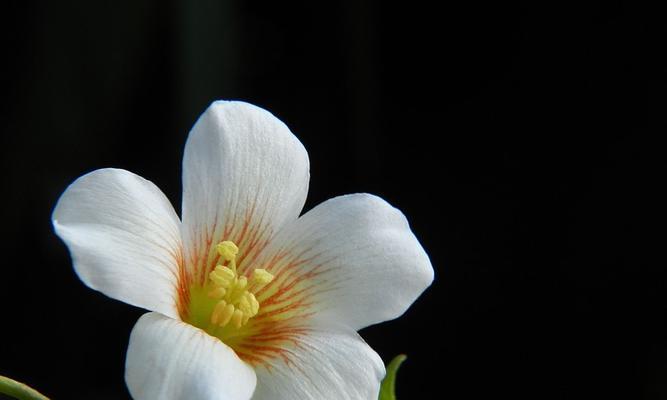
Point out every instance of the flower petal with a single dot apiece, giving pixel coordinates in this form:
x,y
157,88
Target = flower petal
x,y
244,176
171,360
124,238
321,366
351,260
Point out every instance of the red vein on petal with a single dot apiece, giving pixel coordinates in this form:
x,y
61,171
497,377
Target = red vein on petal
x,y
286,306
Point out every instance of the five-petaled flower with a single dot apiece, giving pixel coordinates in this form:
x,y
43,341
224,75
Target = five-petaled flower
x,y
247,298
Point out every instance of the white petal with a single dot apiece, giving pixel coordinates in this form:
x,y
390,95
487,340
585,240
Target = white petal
x,y
171,360
352,260
244,175
124,238
322,366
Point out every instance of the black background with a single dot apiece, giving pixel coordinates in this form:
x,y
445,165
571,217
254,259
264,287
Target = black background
x,y
521,141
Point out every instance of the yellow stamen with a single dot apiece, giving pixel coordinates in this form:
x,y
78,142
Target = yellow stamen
x,y
227,250
217,293
260,278
217,311
226,315
236,294
244,304
237,318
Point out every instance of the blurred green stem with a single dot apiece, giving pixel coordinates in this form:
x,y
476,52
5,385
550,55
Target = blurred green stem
x,y
19,390
388,387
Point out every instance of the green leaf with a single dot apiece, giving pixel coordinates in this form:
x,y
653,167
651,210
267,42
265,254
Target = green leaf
x,y
388,386
19,390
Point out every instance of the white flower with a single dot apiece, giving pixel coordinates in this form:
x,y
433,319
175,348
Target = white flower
x,y
247,299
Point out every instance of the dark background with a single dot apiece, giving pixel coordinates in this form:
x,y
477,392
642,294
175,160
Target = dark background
x,y
521,141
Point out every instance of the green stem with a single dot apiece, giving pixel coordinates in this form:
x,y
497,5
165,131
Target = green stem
x,y
19,390
388,386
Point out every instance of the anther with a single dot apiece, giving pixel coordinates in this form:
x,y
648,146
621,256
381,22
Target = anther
x,y
237,318
217,293
226,314
227,250
222,276
235,294
217,311
260,278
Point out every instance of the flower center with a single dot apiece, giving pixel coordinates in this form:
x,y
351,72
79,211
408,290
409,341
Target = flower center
x,y
235,295
227,300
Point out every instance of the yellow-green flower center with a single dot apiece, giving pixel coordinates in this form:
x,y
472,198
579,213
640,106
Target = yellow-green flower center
x,y
227,300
